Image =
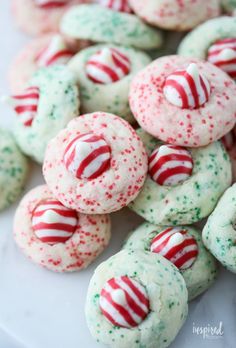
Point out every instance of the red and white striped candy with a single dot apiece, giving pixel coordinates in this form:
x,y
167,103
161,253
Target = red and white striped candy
x,y
53,223
47,4
170,165
177,246
107,66
124,302
26,105
116,5
55,53
223,54
87,156
187,89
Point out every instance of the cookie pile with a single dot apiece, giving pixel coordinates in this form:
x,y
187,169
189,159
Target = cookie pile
x,y
114,128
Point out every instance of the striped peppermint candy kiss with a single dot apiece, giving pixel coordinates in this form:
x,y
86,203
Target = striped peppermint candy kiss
x,y
116,5
124,302
170,165
87,156
53,223
177,246
107,66
223,54
26,105
55,53
187,89
47,4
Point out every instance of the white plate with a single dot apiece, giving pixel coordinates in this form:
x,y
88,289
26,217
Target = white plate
x,y
39,308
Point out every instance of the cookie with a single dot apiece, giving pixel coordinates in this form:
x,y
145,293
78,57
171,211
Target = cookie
x,y
96,165
179,180
36,17
55,237
104,74
136,299
184,101
100,24
46,50
13,169
175,15
183,247
49,102
214,41
219,232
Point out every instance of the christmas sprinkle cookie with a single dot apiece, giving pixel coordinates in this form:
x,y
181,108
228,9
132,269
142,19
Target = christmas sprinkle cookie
x,y
136,299
103,24
55,237
175,14
104,74
98,164
13,169
184,101
37,17
219,232
183,247
179,180
214,41
43,108
44,51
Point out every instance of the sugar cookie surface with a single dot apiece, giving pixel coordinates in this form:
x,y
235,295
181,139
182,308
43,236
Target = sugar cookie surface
x,y
13,169
88,240
117,185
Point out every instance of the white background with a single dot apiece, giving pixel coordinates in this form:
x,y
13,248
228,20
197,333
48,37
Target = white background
x,y
40,309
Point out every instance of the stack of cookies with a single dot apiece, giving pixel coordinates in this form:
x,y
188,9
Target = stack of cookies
x,y
113,128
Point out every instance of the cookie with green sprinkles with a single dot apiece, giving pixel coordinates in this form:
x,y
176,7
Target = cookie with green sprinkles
x,y
45,107
100,24
214,41
136,299
13,169
183,247
104,74
219,232
183,184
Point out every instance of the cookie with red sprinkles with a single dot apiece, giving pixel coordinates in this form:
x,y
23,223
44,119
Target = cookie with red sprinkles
x,y
184,101
43,51
98,164
56,237
179,180
178,15
134,298
37,17
183,247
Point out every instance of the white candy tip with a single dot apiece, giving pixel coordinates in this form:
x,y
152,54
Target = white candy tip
x,y
50,215
57,40
177,238
6,99
227,53
192,70
119,296
107,55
